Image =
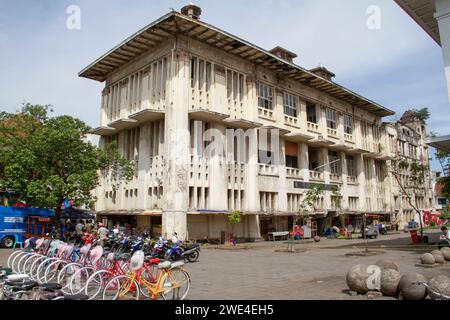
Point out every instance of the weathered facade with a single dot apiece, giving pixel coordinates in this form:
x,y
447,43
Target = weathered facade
x,y
172,83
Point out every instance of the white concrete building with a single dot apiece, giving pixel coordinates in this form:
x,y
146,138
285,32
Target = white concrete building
x,y
177,78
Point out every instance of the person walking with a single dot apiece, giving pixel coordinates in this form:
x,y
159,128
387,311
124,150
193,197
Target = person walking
x,y
103,234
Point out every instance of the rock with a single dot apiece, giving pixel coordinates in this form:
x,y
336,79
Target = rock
x,y
446,253
373,295
357,279
387,264
409,288
438,256
427,258
390,280
442,283
317,239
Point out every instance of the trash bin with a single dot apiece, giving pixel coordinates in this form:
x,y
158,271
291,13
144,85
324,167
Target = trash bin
x,y
414,237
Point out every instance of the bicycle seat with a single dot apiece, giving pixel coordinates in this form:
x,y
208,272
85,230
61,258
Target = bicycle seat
x,y
50,286
177,264
164,265
76,297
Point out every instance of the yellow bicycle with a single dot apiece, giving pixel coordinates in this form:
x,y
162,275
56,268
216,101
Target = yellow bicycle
x,y
169,282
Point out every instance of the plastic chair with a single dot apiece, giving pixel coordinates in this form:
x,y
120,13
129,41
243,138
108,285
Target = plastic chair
x,y
18,243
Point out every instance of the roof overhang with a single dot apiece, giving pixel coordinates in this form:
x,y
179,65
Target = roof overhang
x,y
422,11
174,23
440,143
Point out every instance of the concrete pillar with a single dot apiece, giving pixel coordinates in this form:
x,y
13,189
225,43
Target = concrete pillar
x,y
218,172
177,149
322,118
323,156
361,181
344,191
442,15
143,167
103,113
303,155
251,188
282,191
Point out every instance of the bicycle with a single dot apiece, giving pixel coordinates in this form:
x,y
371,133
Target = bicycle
x,y
166,285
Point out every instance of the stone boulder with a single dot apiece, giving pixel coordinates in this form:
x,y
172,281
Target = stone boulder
x,y
438,256
442,284
317,239
446,253
387,264
390,280
427,258
409,288
357,279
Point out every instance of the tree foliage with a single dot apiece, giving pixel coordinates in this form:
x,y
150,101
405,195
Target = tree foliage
x,y
44,160
422,114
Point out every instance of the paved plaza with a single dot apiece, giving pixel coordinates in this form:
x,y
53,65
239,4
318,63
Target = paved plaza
x,y
259,272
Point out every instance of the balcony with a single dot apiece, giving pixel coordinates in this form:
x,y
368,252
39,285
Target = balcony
x,y
268,170
335,178
291,121
265,113
294,173
352,180
314,127
315,175
349,138
332,133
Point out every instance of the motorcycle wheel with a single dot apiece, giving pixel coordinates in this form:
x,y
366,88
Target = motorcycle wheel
x,y
193,256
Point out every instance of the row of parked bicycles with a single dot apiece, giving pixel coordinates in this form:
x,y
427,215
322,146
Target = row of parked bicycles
x,y
123,268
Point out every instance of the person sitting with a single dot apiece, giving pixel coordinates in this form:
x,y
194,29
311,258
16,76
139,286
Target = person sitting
x,y
445,238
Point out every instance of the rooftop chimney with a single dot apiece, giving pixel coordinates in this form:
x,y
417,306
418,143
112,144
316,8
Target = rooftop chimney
x,y
284,54
323,72
192,11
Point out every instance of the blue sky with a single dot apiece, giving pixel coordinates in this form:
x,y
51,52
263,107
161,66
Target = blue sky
x,y
398,66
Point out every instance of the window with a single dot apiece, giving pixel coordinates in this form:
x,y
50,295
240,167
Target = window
x,y
350,166
353,203
331,119
348,124
265,97
311,112
290,104
334,163
291,162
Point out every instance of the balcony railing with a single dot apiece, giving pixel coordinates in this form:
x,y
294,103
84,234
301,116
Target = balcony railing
x,y
335,177
263,112
315,175
313,127
294,173
352,180
332,132
348,137
268,170
291,120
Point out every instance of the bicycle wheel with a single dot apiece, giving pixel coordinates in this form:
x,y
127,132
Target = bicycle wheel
x,y
17,268
65,275
29,262
176,284
121,288
51,272
96,283
34,267
12,256
40,273
78,279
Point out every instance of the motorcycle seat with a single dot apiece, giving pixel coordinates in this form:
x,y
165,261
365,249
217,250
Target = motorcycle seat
x,y
191,246
17,277
25,286
164,265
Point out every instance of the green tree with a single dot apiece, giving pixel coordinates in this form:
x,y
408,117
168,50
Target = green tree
x,y
308,204
44,160
233,219
422,114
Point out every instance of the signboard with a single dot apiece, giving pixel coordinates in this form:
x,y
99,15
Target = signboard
x,y
310,185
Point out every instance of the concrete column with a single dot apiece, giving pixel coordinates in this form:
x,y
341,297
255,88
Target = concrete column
x,y
143,167
302,115
343,165
177,148
218,188
361,181
340,127
303,156
442,15
282,191
252,189
103,111
123,103
322,118
323,156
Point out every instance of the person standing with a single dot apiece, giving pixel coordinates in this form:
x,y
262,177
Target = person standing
x,y
102,234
